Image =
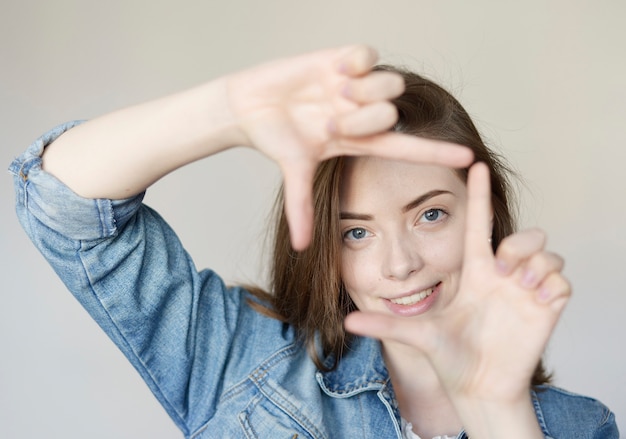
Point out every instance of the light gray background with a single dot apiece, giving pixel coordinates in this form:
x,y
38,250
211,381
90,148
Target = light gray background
x,y
543,79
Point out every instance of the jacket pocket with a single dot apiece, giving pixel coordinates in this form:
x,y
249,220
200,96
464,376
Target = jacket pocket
x,y
263,419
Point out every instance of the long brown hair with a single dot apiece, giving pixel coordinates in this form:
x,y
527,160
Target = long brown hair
x,y
306,287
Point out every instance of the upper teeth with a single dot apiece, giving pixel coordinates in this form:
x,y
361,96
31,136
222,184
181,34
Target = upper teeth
x,y
414,298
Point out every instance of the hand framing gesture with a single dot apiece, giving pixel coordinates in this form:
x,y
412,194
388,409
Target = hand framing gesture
x,y
298,111
303,110
485,345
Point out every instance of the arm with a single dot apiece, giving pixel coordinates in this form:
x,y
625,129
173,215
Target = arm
x,y
81,202
120,154
298,111
128,269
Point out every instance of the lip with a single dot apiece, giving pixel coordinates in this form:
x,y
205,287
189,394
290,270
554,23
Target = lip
x,y
417,308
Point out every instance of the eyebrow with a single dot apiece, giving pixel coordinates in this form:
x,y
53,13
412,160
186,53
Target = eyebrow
x,y
423,198
410,206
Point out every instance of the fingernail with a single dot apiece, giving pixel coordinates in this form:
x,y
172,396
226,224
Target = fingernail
x,y
332,127
543,294
528,279
345,91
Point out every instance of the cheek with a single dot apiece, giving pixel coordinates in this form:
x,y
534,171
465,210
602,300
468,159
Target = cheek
x,y
446,252
350,270
358,274
454,255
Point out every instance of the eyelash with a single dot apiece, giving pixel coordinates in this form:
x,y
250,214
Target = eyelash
x,y
347,234
440,211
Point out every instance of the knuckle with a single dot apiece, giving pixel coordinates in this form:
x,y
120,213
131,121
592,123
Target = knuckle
x,y
567,286
389,113
398,85
340,127
508,249
538,234
528,244
560,285
558,260
392,83
345,125
547,260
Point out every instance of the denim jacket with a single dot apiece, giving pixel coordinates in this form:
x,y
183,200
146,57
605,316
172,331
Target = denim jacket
x,y
220,368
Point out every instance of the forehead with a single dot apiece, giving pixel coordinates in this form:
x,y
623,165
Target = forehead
x,y
371,180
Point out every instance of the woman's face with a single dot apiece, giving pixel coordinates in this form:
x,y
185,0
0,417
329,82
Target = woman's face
x,y
402,227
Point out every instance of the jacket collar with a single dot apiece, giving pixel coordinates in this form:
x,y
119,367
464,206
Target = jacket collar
x,y
361,368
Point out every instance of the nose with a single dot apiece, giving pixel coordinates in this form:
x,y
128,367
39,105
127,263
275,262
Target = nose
x,y
401,258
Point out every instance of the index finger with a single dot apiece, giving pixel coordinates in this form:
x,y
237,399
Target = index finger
x,y
407,147
357,60
479,219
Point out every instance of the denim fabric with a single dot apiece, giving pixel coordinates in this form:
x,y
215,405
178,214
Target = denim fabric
x,y
220,369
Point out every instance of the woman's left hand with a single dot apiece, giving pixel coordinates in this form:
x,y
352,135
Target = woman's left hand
x,y
487,343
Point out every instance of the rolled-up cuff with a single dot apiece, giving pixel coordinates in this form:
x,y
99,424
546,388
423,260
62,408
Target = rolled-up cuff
x,y
56,206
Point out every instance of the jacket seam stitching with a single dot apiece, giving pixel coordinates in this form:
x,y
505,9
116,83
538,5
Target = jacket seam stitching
x,y
179,419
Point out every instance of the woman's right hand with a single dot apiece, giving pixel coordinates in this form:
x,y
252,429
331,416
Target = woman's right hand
x,y
303,110
298,111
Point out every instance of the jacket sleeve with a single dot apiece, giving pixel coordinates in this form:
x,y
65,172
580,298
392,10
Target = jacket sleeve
x,y
128,269
608,427
563,414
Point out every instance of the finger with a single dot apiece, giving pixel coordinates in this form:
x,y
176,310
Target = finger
x,y
357,60
479,213
516,248
298,182
555,291
539,266
398,146
366,121
419,334
376,86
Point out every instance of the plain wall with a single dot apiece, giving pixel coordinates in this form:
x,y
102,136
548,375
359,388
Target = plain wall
x,y
545,82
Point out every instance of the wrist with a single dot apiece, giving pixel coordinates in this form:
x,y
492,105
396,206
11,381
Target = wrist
x,y
211,123
485,419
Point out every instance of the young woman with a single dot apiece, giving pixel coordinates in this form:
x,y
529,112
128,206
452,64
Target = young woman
x,y
383,214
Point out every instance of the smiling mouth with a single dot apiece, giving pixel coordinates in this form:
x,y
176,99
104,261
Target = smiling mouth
x,y
414,298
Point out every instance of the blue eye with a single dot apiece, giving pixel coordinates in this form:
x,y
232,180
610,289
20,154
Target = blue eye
x,y
433,215
356,234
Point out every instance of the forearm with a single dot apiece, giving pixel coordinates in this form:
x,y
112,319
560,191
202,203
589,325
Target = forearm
x,y
120,154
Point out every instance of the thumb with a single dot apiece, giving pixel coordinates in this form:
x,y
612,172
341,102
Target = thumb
x,y
420,334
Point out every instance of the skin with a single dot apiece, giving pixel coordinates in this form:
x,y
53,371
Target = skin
x,y
486,305
300,111
403,227
390,252
297,111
